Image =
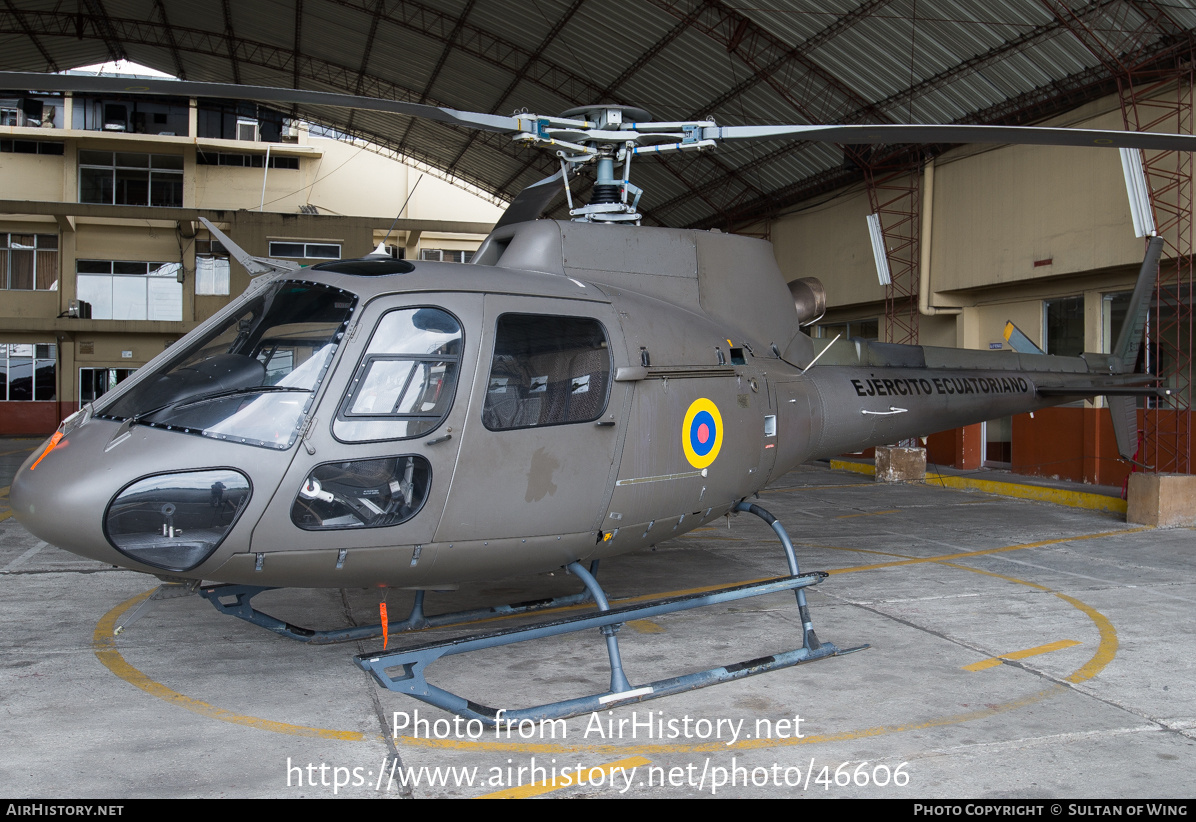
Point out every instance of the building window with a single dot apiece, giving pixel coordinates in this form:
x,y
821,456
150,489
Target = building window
x,y
96,382
121,290
856,329
28,372
445,255
29,262
211,276
125,178
299,250
211,268
1064,320
1112,316
32,146
228,158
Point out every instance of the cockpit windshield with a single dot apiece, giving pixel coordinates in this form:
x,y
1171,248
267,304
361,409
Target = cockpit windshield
x,y
251,379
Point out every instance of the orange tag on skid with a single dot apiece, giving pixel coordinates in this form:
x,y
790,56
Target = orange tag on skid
x,y
385,624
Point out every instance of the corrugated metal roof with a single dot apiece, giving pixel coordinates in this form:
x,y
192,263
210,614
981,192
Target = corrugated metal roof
x,y
789,61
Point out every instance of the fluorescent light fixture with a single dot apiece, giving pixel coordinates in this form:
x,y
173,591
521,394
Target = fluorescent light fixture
x,y
1139,194
878,250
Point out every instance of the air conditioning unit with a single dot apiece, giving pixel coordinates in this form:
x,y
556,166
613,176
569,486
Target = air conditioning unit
x,y
80,309
247,130
289,134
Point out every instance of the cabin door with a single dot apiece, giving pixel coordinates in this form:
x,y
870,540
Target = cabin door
x,y
544,424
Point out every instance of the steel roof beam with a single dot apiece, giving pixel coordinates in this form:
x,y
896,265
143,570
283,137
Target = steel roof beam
x,y
50,64
179,71
517,76
1034,104
232,40
651,52
369,44
297,50
759,76
99,18
444,55
365,54
484,44
975,64
1118,55
815,94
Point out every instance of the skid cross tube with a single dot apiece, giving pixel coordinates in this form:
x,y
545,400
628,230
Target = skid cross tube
x,y
241,607
413,661
403,670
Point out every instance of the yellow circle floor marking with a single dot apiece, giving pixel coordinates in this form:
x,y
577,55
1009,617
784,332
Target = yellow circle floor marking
x,y
104,644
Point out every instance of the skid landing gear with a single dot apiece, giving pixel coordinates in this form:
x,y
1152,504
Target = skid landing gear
x,y
403,671
236,600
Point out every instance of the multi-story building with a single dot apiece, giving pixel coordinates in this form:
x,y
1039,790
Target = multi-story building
x,y
103,260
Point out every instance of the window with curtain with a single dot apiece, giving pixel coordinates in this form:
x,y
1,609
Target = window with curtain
x,y
29,262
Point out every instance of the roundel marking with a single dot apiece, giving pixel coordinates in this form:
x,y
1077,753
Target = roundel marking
x,y
702,433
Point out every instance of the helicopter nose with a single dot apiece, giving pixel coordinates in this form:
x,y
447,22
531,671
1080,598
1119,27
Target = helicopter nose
x,y
61,502
140,511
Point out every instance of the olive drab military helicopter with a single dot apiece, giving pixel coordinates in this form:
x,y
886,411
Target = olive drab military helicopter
x,y
580,390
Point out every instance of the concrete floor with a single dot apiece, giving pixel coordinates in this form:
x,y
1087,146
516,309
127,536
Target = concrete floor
x,y
1095,698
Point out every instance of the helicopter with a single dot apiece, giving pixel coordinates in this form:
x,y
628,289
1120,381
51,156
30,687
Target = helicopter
x,y
581,389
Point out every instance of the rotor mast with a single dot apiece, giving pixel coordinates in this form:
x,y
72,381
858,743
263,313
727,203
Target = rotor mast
x,y
609,136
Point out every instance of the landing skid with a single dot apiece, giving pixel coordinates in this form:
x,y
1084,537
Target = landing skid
x,y
236,600
403,671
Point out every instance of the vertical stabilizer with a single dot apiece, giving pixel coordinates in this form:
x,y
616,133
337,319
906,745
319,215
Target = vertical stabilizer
x,y
1124,410
1130,339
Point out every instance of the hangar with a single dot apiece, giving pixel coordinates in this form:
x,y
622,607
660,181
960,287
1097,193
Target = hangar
x,y
973,237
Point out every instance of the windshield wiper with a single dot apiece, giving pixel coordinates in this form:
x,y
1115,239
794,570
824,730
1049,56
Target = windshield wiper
x,y
187,402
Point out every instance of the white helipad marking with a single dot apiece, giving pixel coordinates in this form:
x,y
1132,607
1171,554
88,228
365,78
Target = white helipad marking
x,y
21,559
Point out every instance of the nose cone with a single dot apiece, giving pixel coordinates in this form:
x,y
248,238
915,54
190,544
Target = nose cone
x,y
59,495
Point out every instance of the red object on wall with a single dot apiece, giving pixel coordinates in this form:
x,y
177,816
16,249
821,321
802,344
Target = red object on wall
x,y
1069,443
29,418
969,449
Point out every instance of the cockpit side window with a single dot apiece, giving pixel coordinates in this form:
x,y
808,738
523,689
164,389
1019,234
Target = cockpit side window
x,y
546,371
405,383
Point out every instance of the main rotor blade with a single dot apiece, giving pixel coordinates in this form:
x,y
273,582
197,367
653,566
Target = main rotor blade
x,y
256,266
32,81
1007,135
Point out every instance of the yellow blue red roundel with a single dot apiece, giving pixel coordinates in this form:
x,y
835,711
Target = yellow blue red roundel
x,y
702,433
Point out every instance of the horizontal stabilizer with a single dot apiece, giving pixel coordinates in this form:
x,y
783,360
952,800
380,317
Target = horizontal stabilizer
x,y
1018,341
1103,390
1123,408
